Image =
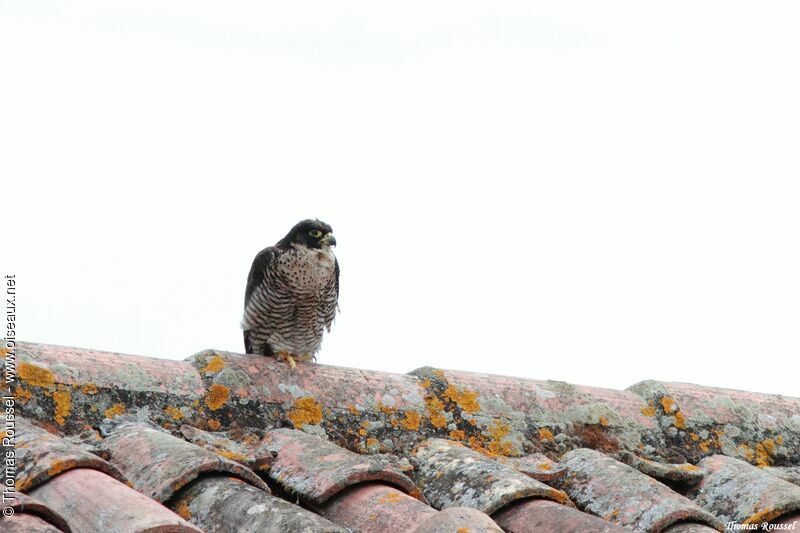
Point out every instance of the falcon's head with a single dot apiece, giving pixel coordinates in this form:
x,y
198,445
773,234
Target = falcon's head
x,y
310,233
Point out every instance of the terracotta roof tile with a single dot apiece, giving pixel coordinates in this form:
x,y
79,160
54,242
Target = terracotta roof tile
x,y
545,516
39,515
315,469
452,475
203,435
91,501
458,519
375,507
738,492
27,523
42,456
617,492
220,504
159,464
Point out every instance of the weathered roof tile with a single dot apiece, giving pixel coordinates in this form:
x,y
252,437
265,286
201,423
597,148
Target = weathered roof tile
x,y
736,491
27,523
459,519
159,464
91,501
451,475
315,469
22,504
221,504
42,456
375,508
762,429
545,516
615,491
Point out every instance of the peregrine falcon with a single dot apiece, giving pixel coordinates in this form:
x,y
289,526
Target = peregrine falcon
x,y
292,294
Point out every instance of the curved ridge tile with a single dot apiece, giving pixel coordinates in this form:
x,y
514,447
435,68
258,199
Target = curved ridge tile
x,y
159,464
316,469
221,504
451,475
738,492
71,387
91,501
42,456
545,516
698,421
620,493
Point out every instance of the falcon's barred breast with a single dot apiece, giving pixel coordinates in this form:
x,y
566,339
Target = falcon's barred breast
x,y
292,294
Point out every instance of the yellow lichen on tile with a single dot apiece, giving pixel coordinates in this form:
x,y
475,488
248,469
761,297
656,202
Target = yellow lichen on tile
x,y
372,441
604,421
63,405
765,450
704,446
173,412
694,436
766,515
183,511
457,434
214,424
434,407
22,395
60,466
390,498
36,376
680,420
545,434
463,530
743,450
668,404
115,410
464,398
544,466
305,411
650,410
497,446
215,365
411,421
779,440
217,396
233,456
89,388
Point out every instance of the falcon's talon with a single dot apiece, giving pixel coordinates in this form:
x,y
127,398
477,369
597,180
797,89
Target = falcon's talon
x,y
287,358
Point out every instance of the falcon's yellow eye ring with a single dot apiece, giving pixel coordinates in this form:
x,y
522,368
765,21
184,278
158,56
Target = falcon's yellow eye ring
x,y
315,233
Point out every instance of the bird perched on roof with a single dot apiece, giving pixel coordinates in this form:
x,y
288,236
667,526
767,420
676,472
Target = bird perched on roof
x,y
292,294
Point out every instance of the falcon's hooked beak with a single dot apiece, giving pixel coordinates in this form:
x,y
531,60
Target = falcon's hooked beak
x,y
328,240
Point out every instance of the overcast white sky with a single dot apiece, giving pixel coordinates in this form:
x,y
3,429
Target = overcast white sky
x,y
595,192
